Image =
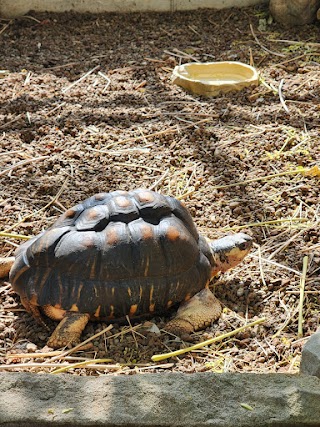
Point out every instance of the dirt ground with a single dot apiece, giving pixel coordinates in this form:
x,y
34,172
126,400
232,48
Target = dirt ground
x,y
239,161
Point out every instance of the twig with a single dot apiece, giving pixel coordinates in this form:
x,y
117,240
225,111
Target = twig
x,y
285,244
7,153
180,54
81,79
286,322
22,163
260,178
89,364
265,223
27,79
14,236
55,108
11,121
77,347
137,165
33,355
276,264
32,18
106,78
186,54
263,47
292,42
53,200
172,129
281,97
302,285
3,29
260,266
159,357
159,180
290,60
80,365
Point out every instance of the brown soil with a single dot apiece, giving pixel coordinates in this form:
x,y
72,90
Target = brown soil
x,y
60,146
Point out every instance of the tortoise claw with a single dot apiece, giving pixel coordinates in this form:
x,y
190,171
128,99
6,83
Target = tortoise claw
x,y
69,330
195,314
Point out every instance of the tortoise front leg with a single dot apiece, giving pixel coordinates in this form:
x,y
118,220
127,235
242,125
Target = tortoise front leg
x,y
195,314
5,266
69,330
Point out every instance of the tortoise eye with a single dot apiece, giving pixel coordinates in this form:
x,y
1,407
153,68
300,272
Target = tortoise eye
x,y
243,246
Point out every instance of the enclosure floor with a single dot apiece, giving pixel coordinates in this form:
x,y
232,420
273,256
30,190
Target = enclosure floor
x,y
236,160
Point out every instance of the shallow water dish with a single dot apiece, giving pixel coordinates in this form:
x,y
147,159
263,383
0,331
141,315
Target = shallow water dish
x,y
212,78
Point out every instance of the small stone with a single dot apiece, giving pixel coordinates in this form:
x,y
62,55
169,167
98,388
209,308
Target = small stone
x,y
310,356
234,204
240,291
31,348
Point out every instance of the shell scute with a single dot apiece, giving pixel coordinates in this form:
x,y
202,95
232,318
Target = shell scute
x,y
115,254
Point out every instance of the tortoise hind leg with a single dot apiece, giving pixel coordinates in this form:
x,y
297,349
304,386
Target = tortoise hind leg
x,y
69,330
195,314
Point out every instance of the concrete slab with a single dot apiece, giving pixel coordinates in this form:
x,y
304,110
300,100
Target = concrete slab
x,y
204,399
9,8
310,356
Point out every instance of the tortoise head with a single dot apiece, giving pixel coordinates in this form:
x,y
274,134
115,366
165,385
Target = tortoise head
x,y
229,251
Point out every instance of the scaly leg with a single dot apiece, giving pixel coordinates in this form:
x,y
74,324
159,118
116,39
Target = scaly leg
x,y
195,314
69,330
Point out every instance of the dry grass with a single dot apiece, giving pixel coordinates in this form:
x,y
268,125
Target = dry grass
x,y
247,161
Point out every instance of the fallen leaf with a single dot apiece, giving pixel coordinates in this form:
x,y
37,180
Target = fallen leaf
x,y
66,411
246,406
314,171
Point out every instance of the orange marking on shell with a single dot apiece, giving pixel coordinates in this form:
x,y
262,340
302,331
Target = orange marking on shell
x,y
88,241
70,213
93,271
146,196
146,269
123,202
100,196
146,231
92,214
172,233
187,297
111,315
74,307
97,312
133,309
169,304
112,236
151,308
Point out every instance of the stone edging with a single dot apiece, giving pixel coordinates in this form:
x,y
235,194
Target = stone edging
x,y
201,399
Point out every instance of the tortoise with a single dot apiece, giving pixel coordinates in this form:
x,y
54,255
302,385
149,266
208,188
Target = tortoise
x,y
123,253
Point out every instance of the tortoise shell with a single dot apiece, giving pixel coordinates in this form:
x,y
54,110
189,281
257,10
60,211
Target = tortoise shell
x,y
116,254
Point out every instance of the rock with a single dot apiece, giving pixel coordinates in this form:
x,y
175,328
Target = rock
x,y
201,399
310,357
31,348
240,291
294,12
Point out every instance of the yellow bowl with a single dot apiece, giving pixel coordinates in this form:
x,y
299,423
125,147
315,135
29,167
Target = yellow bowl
x,y
213,78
